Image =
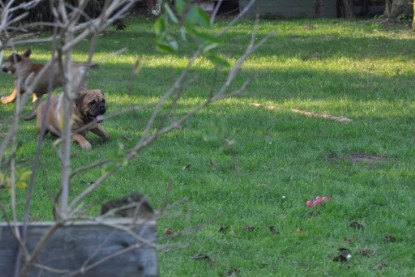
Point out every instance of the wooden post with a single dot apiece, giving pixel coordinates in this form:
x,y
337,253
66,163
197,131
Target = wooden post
x,y
114,247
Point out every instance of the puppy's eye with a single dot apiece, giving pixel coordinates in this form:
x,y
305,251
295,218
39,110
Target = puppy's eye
x,y
93,102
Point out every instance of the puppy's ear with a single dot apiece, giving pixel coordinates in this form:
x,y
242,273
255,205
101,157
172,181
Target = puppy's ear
x,y
15,58
27,53
80,99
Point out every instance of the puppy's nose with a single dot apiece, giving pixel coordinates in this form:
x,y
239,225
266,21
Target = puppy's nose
x,y
4,69
102,109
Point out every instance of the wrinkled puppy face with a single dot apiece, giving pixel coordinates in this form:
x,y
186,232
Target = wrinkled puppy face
x,y
92,105
11,63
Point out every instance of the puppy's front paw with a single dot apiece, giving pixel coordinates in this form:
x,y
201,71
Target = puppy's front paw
x,y
81,140
85,145
4,100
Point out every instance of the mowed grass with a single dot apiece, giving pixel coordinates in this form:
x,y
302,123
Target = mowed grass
x,y
237,176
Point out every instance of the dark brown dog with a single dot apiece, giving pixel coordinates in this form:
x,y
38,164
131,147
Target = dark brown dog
x,y
87,113
25,72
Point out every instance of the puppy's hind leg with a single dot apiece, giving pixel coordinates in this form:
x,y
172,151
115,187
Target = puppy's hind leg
x,y
36,102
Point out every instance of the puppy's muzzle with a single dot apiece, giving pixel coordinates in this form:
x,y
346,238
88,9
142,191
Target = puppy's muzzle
x,y
98,114
102,109
4,69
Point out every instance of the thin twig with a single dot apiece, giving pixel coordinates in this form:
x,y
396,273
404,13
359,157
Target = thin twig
x,y
39,246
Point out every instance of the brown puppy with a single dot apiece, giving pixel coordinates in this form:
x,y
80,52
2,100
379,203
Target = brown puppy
x,y
87,113
25,72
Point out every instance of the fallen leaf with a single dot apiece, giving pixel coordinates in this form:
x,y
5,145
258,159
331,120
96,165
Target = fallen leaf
x,y
343,256
390,238
249,228
314,213
168,231
126,138
344,251
356,225
188,166
380,266
299,230
200,256
366,252
234,271
339,258
273,230
223,229
350,239
85,182
263,265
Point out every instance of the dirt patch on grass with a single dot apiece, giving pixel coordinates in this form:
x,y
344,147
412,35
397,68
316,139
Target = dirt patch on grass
x,y
342,119
356,158
359,157
265,106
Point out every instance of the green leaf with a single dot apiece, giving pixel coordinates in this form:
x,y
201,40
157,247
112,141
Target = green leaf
x,y
183,33
197,17
171,14
174,44
180,6
209,47
205,38
25,175
215,59
160,26
165,47
137,66
21,185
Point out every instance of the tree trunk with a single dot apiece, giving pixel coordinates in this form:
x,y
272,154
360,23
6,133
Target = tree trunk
x,y
347,8
413,18
395,8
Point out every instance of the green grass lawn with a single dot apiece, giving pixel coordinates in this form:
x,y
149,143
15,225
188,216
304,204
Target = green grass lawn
x,y
241,171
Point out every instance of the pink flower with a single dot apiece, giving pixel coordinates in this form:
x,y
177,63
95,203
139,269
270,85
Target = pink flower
x,y
318,201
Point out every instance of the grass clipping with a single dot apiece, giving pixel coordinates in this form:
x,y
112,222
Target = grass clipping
x,y
342,119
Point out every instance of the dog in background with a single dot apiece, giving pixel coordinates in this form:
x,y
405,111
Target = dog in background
x,y
88,111
25,72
